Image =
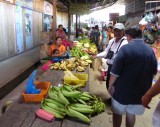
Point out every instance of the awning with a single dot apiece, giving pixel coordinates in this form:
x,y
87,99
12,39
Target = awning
x,y
85,6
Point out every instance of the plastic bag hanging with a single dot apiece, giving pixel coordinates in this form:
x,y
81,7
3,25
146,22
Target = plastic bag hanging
x,y
31,88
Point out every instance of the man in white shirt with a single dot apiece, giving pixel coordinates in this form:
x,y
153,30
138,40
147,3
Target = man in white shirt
x,y
113,47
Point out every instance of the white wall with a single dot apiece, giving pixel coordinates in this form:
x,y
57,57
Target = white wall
x,y
62,18
11,68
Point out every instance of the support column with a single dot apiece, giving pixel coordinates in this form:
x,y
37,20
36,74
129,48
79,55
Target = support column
x,y
76,26
79,21
69,24
54,24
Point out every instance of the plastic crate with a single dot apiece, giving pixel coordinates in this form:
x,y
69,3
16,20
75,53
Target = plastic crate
x,y
82,79
44,86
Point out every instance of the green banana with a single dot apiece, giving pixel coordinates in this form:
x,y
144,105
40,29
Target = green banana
x,y
75,87
84,98
51,94
56,88
82,110
81,101
54,106
86,94
62,98
57,115
68,88
54,96
72,100
78,105
55,110
55,102
54,91
73,94
78,115
68,113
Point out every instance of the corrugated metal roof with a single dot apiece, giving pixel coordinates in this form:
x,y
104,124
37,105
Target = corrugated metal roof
x,y
93,4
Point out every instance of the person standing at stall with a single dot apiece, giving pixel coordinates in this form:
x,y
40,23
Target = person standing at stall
x,y
95,36
105,37
113,47
131,76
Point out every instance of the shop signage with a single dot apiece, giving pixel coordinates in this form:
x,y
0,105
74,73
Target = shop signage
x,y
113,16
48,8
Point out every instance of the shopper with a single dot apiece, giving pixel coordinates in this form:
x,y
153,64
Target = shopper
x,y
113,47
105,37
131,76
110,32
146,99
95,36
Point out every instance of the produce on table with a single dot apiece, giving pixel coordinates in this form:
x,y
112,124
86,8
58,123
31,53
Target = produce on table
x,y
71,64
68,100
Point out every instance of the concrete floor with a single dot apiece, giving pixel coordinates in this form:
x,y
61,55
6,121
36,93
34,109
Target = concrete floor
x,y
98,88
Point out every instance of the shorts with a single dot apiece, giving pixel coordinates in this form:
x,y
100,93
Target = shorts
x,y
121,109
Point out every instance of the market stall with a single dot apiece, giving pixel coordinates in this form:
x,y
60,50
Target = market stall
x,y
22,114
60,76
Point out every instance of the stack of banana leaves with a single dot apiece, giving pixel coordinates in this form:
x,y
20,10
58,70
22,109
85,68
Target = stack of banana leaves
x,y
70,101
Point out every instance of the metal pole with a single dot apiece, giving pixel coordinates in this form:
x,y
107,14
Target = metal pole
x,y
76,26
54,24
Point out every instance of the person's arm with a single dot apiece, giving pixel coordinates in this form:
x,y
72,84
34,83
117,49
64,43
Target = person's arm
x,y
146,99
116,70
63,51
112,80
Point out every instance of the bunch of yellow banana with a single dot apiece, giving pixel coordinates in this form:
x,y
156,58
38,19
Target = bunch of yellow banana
x,y
80,68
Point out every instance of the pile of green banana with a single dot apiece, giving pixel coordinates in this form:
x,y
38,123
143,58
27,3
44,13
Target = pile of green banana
x,y
77,52
69,100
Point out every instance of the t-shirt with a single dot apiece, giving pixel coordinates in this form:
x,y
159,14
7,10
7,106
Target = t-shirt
x,y
95,36
135,65
113,46
60,34
61,49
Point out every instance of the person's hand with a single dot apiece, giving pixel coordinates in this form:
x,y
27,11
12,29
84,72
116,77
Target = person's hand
x,y
93,56
146,100
111,90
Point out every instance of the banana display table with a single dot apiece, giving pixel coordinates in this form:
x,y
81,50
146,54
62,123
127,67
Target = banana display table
x,y
23,114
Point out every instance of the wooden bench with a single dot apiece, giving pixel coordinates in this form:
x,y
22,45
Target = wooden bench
x,y
23,114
